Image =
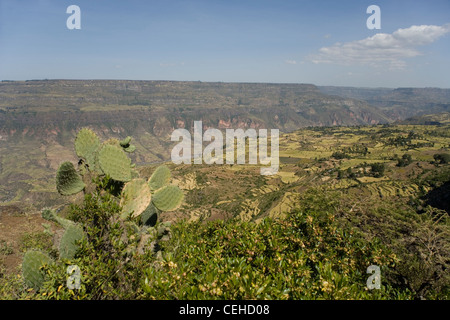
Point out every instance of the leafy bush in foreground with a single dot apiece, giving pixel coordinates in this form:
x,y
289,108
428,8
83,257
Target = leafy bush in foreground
x,y
306,256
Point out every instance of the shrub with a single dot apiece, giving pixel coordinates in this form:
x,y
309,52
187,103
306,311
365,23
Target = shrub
x,y
108,236
442,158
306,256
405,160
338,155
377,169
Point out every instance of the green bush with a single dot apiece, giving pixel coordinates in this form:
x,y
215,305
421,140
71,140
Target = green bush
x,y
378,169
109,264
405,160
443,158
306,256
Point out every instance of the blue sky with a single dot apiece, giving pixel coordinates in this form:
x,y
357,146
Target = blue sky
x,y
319,42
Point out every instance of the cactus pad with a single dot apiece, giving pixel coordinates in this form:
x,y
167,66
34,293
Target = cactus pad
x,y
149,216
160,178
125,142
32,263
68,181
112,142
131,148
115,163
136,197
87,145
50,215
168,198
68,246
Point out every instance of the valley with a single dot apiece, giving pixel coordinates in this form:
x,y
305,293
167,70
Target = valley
x,y
372,167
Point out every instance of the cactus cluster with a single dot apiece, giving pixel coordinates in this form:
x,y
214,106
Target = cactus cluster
x,y
108,158
72,235
34,260
139,196
141,200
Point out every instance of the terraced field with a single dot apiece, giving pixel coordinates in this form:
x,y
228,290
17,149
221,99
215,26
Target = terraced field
x,y
307,160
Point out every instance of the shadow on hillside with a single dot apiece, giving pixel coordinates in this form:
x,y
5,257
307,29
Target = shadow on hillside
x,y
440,197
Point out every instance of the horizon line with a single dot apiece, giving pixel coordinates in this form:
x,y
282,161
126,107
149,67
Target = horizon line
x,y
225,82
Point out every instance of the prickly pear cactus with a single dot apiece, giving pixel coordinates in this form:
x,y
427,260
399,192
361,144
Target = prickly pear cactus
x,y
115,163
160,177
87,145
135,197
50,215
149,216
168,198
125,142
69,246
68,181
130,149
32,273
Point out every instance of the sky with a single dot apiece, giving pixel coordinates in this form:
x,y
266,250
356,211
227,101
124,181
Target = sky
x,y
279,41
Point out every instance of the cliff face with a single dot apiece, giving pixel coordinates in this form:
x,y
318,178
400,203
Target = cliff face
x,y
43,109
400,103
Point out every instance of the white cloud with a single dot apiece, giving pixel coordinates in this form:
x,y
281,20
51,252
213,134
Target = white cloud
x,y
382,48
290,61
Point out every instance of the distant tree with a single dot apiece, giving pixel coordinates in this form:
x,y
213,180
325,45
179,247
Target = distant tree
x,y
350,173
339,155
405,160
443,158
378,169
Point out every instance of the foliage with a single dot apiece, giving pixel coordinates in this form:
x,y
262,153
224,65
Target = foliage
x,y
336,228
442,158
377,169
102,234
339,155
405,160
421,243
306,256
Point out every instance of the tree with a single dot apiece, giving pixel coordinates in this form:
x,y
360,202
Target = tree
x,y
378,169
443,158
405,160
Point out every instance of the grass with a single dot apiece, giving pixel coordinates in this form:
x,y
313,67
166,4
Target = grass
x,y
5,248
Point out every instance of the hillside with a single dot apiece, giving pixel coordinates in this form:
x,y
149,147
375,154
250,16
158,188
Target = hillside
x,y
400,103
39,120
344,198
